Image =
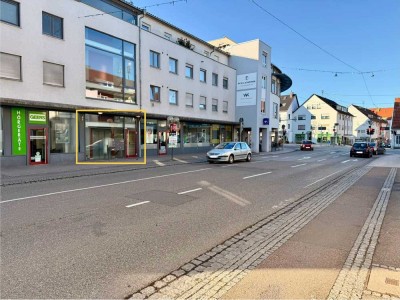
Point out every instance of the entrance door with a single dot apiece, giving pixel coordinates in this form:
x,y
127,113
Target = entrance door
x,y
131,147
37,146
162,142
100,143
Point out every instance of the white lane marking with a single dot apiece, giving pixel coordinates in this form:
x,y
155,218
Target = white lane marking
x,y
324,178
194,190
274,156
180,160
305,157
136,204
322,159
194,156
336,156
345,161
333,152
298,165
158,162
355,159
257,175
104,185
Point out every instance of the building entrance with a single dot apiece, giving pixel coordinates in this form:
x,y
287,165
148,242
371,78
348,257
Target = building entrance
x,y
38,146
131,146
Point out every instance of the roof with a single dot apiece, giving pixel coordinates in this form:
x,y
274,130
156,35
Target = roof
x,y
386,112
332,104
369,114
396,114
286,101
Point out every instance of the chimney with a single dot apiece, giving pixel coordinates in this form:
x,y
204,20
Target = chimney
x,y
291,94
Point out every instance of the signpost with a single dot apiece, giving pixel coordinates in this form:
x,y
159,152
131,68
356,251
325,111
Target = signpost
x,y
173,123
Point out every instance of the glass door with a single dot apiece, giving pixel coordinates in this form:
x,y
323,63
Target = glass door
x,y
131,147
162,142
37,146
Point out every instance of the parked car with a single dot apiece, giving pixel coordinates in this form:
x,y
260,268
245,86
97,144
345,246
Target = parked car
x,y
229,152
361,149
374,147
306,145
387,145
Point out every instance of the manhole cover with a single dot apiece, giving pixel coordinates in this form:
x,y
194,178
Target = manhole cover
x,y
384,281
162,197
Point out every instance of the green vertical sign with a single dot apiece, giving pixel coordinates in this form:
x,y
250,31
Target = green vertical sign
x,y
18,129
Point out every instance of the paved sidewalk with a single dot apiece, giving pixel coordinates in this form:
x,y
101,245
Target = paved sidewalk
x,y
26,174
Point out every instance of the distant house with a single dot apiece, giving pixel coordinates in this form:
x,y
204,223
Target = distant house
x,y
330,121
302,128
386,113
366,119
396,124
289,104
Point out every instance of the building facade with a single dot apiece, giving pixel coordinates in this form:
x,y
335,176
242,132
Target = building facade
x,y
331,122
57,58
288,105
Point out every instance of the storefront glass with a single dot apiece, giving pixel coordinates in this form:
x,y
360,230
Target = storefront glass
x,y
195,134
62,132
104,137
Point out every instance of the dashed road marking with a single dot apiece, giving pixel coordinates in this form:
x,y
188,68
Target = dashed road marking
x,y
157,162
190,191
251,176
180,160
298,165
136,204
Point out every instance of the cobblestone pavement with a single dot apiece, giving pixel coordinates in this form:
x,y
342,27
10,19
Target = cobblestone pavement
x,y
212,274
353,277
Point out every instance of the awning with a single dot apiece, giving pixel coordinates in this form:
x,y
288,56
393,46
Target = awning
x,y
285,80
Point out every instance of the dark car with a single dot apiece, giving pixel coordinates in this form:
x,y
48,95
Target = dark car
x,y
361,149
374,147
387,145
306,145
381,149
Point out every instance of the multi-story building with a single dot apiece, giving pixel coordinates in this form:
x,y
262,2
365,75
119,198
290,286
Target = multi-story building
x,y
396,124
288,105
366,120
385,113
259,85
60,56
331,122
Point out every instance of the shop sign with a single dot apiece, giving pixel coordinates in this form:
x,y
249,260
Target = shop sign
x,y
18,131
246,81
173,140
246,98
37,117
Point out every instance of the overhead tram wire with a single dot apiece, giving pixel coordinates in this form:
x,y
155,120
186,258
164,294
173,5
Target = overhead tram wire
x,y
164,3
316,45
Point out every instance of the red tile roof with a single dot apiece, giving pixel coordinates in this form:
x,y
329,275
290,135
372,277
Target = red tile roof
x,y
386,112
396,114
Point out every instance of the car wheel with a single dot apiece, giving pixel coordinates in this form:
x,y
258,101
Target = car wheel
x,y
231,159
248,158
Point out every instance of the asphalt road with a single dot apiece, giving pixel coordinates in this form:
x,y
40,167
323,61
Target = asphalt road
x,y
108,235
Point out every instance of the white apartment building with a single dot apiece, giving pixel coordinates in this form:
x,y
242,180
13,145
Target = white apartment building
x,y
330,122
60,56
365,119
288,105
258,85
302,129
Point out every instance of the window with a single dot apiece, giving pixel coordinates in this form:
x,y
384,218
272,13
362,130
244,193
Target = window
x,y
146,27
154,93
9,12
154,59
225,106
110,67
264,82
301,127
325,117
10,66
168,36
173,97
214,106
264,59
214,79
189,71
52,25
203,75
273,86
203,102
53,74
62,132
262,106
189,100
275,111
109,8
206,53
301,117
173,66
288,126
225,83
313,117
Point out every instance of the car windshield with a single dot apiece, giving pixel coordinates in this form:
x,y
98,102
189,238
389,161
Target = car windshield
x,y
360,145
225,146
372,144
307,142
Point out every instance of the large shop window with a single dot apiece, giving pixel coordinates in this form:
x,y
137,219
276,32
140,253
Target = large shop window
x,y
62,132
196,134
110,68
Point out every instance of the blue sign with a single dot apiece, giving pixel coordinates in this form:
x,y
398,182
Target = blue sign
x,y
266,121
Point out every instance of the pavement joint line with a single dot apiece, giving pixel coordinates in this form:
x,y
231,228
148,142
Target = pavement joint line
x,y
254,244
360,256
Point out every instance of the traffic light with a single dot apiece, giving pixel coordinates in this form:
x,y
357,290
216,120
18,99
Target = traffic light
x,y
368,130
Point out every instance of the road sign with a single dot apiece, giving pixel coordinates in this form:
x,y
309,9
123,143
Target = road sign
x,y
265,121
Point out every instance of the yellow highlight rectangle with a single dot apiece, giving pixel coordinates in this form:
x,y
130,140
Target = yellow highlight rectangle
x,y
109,110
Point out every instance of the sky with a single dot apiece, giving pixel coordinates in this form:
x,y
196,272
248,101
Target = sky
x,y
312,41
